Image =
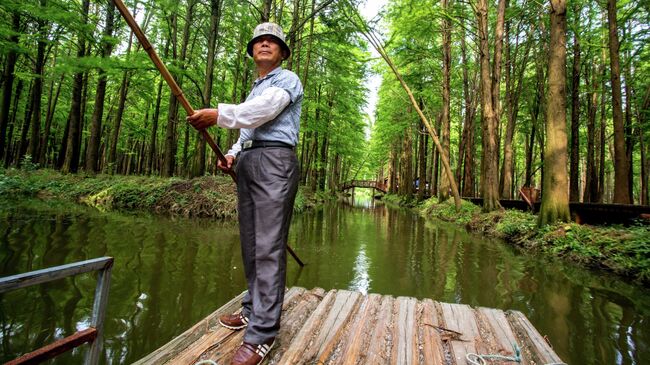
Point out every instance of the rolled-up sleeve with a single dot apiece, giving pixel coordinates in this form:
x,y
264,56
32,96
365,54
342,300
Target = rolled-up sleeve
x,y
255,112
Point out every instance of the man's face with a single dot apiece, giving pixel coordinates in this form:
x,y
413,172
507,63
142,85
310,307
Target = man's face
x,y
267,50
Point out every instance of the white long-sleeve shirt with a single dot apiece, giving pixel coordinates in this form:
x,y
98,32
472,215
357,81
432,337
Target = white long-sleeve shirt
x,y
271,111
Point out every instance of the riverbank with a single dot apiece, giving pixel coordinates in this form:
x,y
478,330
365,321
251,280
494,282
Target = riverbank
x,y
622,250
207,196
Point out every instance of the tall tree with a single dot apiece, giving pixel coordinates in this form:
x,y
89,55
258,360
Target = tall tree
x,y
7,85
71,162
213,34
92,149
443,192
555,199
574,192
621,163
39,65
489,162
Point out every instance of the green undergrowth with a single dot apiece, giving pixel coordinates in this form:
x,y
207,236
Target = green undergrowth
x,y
199,197
207,196
622,250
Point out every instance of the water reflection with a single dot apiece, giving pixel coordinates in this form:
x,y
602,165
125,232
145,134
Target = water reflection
x,y
170,273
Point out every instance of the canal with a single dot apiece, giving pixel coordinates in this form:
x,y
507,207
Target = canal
x,y
171,272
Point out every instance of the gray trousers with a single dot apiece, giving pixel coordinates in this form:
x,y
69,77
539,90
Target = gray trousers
x,y
267,185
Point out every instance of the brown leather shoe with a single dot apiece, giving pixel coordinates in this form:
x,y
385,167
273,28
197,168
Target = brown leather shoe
x,y
251,354
235,321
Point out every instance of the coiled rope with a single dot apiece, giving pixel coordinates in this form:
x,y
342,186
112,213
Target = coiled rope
x,y
206,362
476,359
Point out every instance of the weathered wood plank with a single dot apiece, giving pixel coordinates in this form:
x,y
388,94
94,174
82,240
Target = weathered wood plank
x,y
460,318
180,343
431,349
404,332
305,336
534,347
496,331
381,342
337,321
293,321
220,344
357,338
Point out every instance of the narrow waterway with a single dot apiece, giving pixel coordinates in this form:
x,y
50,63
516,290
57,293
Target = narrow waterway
x,y
169,273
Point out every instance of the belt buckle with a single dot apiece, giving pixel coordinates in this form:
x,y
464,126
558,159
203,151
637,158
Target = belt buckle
x,y
247,144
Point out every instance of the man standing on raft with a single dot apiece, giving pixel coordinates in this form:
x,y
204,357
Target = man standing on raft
x,y
267,169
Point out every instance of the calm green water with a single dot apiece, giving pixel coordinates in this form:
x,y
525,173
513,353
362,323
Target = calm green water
x,y
170,273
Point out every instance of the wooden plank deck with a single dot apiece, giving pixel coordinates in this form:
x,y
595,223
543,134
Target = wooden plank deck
x,y
341,327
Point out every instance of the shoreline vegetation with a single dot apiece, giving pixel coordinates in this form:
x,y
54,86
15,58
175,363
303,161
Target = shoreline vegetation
x,y
201,197
621,250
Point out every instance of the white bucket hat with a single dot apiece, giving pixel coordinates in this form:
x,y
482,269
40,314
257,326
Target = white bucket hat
x,y
271,29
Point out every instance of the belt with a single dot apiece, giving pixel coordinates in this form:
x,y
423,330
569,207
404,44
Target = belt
x,y
249,145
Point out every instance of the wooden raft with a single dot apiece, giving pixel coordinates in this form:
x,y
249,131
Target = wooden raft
x,y
348,328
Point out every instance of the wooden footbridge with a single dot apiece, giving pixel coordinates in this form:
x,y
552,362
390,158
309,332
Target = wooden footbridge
x,y
347,328
364,184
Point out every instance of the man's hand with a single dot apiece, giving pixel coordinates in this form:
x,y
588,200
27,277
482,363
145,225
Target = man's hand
x,y
203,118
228,166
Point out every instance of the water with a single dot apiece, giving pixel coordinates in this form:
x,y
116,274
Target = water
x,y
170,273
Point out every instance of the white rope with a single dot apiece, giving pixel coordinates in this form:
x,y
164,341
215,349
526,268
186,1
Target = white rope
x,y
206,362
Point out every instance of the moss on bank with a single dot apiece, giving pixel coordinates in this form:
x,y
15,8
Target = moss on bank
x,y
208,196
622,250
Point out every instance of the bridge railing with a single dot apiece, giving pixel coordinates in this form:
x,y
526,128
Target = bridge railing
x,y
363,184
93,334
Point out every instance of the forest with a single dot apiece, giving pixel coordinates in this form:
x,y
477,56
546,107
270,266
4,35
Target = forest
x,y
514,93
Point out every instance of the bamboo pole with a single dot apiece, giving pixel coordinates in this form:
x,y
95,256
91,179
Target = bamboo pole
x,y
376,43
178,93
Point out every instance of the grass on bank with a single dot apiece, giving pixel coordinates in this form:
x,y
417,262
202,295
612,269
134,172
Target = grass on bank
x,y
207,196
623,250
200,197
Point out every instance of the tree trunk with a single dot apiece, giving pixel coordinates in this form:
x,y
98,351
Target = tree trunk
x,y
489,164
12,123
555,199
468,125
215,19
591,181
92,150
621,163
574,188
35,137
266,11
602,143
7,86
115,132
26,123
422,162
169,157
51,108
443,192
71,162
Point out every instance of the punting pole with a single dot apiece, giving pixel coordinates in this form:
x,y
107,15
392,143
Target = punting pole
x,y
176,90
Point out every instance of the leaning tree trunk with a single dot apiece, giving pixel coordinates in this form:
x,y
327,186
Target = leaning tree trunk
x,y
555,198
489,165
621,163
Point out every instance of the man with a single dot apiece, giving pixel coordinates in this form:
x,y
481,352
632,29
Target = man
x,y
267,170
